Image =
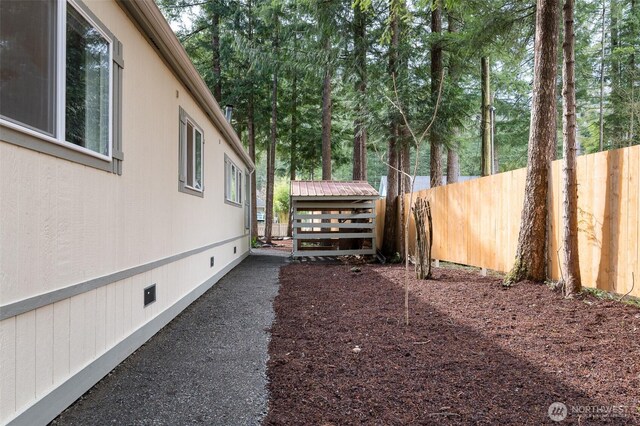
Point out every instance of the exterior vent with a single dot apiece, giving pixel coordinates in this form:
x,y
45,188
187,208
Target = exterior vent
x,y
149,295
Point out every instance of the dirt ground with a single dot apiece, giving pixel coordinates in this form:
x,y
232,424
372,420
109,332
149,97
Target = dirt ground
x,y
473,353
281,244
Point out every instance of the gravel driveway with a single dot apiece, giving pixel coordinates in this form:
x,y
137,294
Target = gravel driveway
x,y
207,366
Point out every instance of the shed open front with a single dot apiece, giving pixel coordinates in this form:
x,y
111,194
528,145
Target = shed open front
x,y
332,218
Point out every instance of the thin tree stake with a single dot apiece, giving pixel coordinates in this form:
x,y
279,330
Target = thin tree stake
x,y
417,142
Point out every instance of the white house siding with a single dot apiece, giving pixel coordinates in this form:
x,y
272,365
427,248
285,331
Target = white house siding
x,y
62,223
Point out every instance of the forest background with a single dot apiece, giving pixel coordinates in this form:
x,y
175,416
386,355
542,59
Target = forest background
x,y
317,85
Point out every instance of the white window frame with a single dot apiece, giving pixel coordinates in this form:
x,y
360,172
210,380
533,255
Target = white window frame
x,y
60,93
185,121
232,176
194,160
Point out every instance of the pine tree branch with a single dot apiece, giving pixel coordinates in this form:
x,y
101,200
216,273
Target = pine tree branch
x,y
192,33
185,5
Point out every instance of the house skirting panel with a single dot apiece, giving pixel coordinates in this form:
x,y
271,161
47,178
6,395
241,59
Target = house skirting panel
x,y
53,352
35,302
49,406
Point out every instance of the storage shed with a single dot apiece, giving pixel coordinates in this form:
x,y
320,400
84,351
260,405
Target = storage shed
x,y
332,218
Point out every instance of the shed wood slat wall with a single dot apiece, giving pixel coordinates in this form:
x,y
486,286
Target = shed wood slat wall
x,y
332,235
306,205
477,222
333,218
334,225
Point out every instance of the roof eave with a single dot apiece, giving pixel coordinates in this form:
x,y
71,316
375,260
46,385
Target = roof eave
x,y
151,22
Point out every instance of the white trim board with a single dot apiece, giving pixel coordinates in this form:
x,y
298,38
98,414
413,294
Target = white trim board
x,y
334,216
332,253
49,406
25,305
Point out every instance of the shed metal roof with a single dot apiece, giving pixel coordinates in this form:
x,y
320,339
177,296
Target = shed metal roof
x,y
331,188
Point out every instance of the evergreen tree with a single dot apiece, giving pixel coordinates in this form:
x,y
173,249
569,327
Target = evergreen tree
x,y
571,264
437,71
530,262
372,51
391,217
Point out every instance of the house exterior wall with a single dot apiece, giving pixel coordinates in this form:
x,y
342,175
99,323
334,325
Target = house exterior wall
x,y
78,245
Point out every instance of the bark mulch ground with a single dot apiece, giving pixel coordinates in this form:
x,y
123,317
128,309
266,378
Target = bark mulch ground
x,y
472,354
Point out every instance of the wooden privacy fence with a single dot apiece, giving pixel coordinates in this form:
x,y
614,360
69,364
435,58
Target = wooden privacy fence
x,y
477,222
277,229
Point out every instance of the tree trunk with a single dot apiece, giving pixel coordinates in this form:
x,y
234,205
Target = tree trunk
x,y
632,118
215,48
616,97
360,150
435,162
391,217
487,155
422,215
435,138
271,160
404,183
294,142
404,174
271,151
530,262
404,139
453,159
453,165
326,113
571,264
495,152
602,42
635,20
360,130
251,135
